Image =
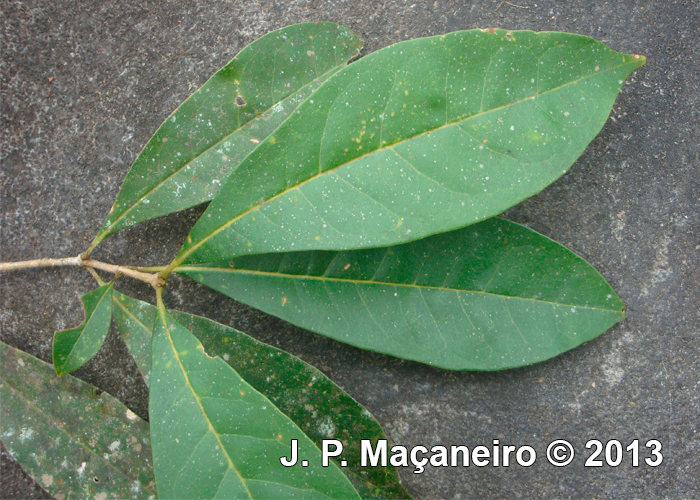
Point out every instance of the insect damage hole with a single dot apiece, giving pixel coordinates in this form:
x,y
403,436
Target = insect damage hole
x,y
240,101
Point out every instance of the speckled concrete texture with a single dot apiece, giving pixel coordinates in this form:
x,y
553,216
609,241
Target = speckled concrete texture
x,y
84,84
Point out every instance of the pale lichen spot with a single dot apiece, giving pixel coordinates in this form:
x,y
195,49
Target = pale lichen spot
x,y
254,140
224,158
20,362
130,415
101,496
326,428
310,53
26,433
47,480
81,469
114,446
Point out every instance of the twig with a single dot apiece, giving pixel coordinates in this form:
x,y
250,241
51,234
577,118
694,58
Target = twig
x,y
153,279
28,264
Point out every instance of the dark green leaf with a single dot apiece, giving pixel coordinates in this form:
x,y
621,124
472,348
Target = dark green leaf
x,y
489,296
75,347
215,436
205,139
421,137
310,399
74,441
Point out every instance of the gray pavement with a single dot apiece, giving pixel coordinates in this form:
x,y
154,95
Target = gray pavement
x,y
84,84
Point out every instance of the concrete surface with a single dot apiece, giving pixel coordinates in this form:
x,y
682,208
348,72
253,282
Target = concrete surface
x,y
84,84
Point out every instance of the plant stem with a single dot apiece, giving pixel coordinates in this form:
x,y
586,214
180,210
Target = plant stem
x,y
28,264
153,279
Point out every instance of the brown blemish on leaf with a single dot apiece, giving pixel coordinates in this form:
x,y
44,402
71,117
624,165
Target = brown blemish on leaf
x,y
240,101
205,352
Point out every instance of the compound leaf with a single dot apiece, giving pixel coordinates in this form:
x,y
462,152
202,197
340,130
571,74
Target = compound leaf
x,y
421,137
75,441
215,436
74,347
205,139
489,296
310,399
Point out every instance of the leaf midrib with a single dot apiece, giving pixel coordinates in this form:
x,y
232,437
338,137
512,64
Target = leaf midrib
x,y
214,145
83,326
382,283
213,233
161,310
133,316
71,436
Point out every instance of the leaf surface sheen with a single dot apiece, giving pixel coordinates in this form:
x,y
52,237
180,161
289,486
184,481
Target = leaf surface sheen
x,y
215,436
490,296
420,137
204,140
320,408
74,347
73,440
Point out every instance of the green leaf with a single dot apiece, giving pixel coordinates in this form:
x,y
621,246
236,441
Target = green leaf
x,y
215,436
489,296
75,347
310,399
134,319
320,408
205,139
73,440
421,137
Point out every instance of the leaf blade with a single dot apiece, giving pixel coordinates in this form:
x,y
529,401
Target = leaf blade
x,y
303,393
348,172
74,347
490,296
193,398
135,319
193,151
71,440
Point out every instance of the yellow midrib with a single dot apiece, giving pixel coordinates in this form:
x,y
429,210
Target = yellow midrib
x,y
383,283
176,262
162,312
